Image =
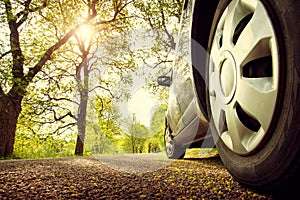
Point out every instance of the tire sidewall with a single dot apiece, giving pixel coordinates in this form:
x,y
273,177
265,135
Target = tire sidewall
x,y
177,152
268,167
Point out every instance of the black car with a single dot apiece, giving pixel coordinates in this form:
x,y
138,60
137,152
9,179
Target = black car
x,y
235,84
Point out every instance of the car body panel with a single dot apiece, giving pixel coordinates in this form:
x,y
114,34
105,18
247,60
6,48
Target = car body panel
x,y
184,116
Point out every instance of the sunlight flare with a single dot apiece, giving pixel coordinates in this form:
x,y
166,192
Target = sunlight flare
x,y
85,32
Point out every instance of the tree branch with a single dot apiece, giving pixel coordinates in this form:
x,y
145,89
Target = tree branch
x,y
1,91
99,86
61,99
24,13
118,9
92,7
64,127
4,54
61,117
34,70
17,69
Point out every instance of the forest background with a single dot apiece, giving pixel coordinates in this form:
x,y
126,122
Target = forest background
x,y
69,68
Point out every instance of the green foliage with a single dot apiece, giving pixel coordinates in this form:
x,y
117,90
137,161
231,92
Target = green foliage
x,y
160,19
158,120
97,142
157,126
134,137
49,106
29,145
101,135
140,139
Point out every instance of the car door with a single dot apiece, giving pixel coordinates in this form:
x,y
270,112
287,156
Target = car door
x,y
182,86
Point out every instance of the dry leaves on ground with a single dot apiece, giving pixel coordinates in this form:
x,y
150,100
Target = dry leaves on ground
x,y
94,178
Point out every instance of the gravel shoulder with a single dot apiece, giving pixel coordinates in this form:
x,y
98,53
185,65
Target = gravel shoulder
x,y
119,177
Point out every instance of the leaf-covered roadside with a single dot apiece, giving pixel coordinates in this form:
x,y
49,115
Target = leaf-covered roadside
x,y
89,178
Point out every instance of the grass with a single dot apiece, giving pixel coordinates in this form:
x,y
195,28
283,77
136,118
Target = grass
x,y
201,153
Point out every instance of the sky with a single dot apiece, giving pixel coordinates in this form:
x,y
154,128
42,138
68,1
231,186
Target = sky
x,y
141,102
143,105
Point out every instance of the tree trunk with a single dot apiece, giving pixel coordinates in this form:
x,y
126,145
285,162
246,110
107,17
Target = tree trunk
x,y
79,145
10,110
81,121
132,144
149,147
132,148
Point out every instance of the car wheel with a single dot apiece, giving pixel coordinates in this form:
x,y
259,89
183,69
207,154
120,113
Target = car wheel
x,y
173,151
253,91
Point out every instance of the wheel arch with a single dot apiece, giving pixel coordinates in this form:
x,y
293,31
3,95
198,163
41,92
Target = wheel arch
x,y
203,16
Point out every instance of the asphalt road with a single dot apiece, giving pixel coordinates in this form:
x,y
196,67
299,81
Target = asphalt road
x,y
140,176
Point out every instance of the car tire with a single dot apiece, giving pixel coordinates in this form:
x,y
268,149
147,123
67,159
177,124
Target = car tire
x,y
257,135
173,150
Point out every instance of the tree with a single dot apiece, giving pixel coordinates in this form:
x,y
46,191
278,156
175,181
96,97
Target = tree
x,y
101,135
157,128
96,63
18,68
161,19
135,136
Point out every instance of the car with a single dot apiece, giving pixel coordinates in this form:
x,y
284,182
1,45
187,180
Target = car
x,y
235,84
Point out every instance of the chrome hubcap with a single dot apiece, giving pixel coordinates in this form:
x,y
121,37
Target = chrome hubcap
x,y
243,75
227,75
168,143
